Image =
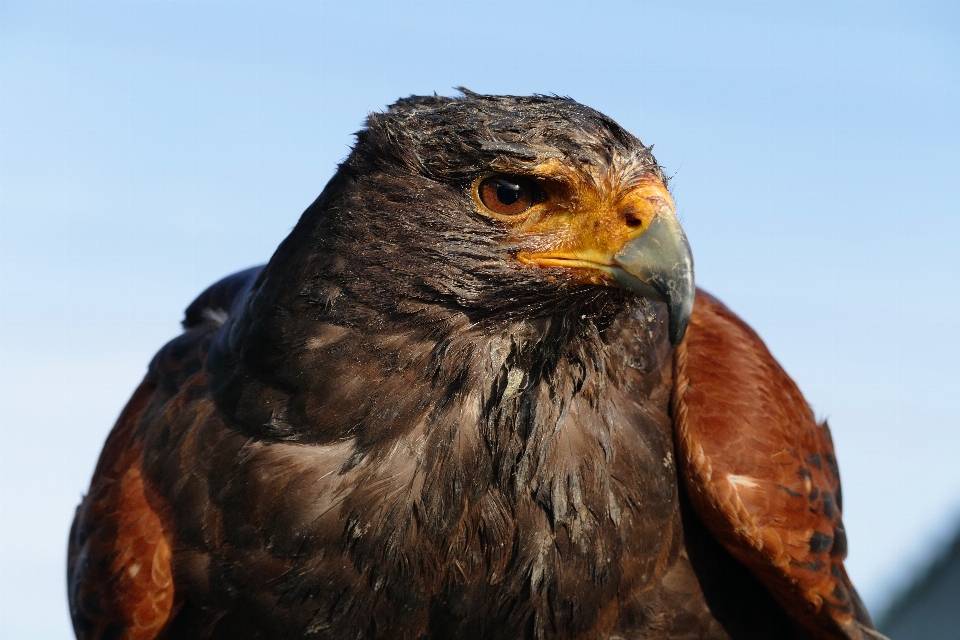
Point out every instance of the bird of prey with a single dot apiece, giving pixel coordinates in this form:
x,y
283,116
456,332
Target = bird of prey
x,y
474,394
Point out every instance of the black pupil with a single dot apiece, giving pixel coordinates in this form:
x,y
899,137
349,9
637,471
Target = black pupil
x,y
507,192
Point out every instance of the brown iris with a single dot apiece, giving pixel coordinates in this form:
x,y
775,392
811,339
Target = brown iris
x,y
509,195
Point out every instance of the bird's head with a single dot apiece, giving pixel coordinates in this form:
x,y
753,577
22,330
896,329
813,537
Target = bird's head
x,y
531,223
501,204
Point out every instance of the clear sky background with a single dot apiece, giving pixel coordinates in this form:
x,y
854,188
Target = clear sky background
x,y
149,148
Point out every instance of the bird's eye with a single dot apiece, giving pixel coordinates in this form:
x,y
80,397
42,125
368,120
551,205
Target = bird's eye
x,y
509,195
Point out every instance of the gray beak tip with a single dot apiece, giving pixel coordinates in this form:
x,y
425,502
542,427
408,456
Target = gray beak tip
x,y
659,264
679,319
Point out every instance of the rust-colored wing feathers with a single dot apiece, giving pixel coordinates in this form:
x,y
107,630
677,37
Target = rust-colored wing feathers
x,y
119,566
760,471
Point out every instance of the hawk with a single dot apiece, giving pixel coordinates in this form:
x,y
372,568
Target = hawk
x,y
474,393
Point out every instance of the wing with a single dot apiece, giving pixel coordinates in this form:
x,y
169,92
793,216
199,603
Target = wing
x,y
217,301
118,568
761,473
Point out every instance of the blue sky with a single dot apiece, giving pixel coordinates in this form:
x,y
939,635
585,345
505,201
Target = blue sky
x,y
149,148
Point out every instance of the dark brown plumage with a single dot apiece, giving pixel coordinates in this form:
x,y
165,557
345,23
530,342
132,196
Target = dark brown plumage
x,y
449,407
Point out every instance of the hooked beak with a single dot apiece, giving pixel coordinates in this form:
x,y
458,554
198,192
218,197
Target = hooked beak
x,y
658,264
633,241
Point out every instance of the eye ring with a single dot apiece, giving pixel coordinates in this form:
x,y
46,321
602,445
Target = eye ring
x,y
509,195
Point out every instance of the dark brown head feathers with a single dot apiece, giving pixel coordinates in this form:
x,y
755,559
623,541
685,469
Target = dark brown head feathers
x,y
454,138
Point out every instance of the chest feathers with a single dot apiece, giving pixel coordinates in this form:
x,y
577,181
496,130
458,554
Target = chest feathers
x,y
533,469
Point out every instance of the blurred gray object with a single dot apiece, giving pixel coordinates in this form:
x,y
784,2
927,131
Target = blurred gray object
x,y
930,607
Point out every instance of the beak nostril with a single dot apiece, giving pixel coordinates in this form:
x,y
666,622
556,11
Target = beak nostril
x,y
632,218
